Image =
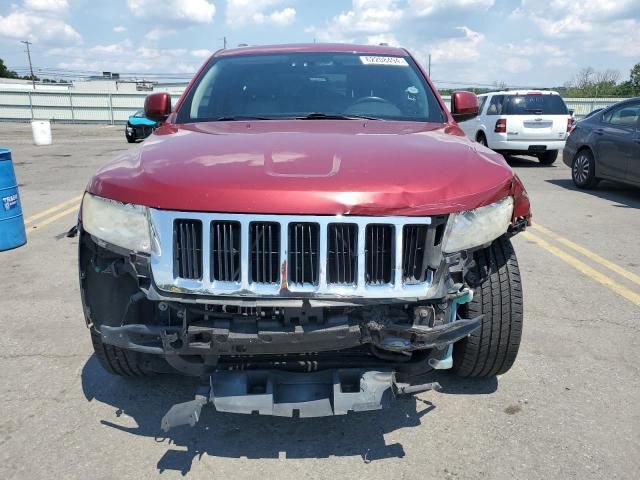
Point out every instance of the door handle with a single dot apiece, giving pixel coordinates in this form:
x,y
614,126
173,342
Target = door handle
x,y
599,131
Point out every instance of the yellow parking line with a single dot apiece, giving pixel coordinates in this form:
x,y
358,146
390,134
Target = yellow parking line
x,y
51,210
585,269
53,218
589,254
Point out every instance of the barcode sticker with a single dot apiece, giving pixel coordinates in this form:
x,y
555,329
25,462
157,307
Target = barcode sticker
x,y
381,60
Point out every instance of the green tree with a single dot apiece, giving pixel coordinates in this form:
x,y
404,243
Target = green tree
x,y
5,72
634,79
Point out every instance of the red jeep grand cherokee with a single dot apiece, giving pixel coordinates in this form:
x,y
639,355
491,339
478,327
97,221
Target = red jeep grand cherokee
x,y
306,231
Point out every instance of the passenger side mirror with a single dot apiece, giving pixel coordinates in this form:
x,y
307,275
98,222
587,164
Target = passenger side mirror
x,y
157,106
464,106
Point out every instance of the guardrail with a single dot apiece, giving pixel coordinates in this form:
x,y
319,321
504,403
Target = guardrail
x,y
112,108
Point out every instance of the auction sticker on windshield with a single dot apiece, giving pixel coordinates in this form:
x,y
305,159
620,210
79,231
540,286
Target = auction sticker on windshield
x,y
380,60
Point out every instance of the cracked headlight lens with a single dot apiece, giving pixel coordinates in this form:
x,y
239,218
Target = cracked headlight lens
x,y
477,227
121,224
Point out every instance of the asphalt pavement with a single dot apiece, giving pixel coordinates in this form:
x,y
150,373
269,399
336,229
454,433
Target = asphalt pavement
x,y
569,408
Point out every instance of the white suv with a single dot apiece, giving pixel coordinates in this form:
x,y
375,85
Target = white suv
x,y
522,121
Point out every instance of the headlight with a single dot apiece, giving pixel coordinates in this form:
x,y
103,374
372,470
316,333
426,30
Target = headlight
x,y
121,224
477,227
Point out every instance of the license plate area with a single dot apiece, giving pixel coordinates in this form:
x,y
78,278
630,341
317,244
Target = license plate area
x,y
537,148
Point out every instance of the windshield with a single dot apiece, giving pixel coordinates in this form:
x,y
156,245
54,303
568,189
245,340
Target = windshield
x,y
535,104
313,85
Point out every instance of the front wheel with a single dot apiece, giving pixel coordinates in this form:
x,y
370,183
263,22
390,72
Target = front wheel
x,y
118,361
583,170
492,348
549,157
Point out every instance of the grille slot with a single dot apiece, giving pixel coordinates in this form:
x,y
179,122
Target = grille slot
x,y
225,251
187,252
379,256
304,245
342,253
414,240
265,252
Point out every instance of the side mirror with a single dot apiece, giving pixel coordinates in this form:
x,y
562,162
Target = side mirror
x,y
157,106
464,106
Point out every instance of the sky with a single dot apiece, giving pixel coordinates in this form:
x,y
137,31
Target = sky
x,y
534,43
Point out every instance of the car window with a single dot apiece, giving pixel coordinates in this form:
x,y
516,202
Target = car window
x,y
482,101
535,104
495,105
276,86
625,115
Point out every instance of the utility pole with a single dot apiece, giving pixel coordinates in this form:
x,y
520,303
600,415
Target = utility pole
x,y
429,69
224,40
33,78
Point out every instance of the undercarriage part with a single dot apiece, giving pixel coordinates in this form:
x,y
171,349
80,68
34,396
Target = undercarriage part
x,y
287,394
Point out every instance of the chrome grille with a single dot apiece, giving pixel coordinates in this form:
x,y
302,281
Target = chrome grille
x,y
414,244
225,251
342,253
379,254
187,255
265,252
304,246
281,255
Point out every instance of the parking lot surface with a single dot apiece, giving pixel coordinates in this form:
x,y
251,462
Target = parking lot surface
x,y
568,409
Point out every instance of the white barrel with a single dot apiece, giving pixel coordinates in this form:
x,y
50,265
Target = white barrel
x,y
41,132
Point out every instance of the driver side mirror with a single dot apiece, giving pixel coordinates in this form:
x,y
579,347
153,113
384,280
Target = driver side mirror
x,y
157,106
464,106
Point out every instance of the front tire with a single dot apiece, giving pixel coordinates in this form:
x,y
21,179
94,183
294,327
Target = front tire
x,y
583,170
492,348
549,157
118,361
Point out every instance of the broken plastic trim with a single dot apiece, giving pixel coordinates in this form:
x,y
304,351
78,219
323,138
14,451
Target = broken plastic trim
x,y
288,394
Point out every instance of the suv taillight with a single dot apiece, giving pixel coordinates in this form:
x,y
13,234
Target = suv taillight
x,y
501,126
569,124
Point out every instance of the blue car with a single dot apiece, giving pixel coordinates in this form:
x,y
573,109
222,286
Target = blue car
x,y
139,127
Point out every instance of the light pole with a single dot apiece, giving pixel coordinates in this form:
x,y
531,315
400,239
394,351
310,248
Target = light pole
x,y
33,78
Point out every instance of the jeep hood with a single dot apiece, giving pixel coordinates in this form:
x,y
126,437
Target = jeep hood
x,y
321,167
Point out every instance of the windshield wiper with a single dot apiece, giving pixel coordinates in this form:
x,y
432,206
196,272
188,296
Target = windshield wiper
x,y
241,117
332,116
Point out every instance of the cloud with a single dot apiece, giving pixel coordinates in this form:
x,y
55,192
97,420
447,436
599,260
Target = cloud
x,y
458,49
119,29
25,25
54,6
561,19
366,17
242,12
155,34
517,65
428,7
170,11
124,57
383,38
201,53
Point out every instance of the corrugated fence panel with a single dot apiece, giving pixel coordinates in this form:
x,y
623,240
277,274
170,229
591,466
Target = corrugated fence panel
x,y
103,107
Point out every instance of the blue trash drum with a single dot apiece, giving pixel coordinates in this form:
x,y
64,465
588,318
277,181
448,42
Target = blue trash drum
x,y
12,231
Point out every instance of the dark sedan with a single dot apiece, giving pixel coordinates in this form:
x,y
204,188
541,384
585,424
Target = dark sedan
x,y
606,145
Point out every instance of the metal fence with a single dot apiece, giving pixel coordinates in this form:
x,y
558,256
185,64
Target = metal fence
x,y
112,108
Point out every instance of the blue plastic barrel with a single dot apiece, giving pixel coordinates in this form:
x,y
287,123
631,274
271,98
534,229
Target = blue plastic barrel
x,y
12,232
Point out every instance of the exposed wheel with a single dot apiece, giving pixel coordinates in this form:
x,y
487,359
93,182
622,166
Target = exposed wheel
x,y
118,361
481,139
583,170
549,157
130,139
492,348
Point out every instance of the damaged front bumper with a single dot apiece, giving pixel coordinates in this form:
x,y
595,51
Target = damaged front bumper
x,y
289,394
